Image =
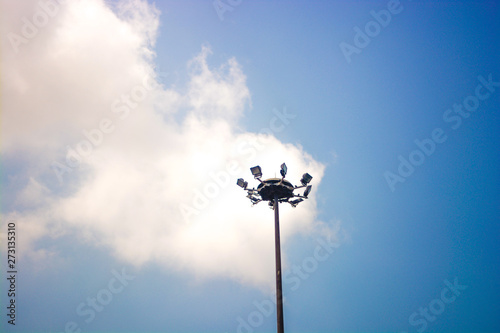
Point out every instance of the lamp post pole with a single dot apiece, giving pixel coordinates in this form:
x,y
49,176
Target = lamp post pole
x,y
274,191
279,290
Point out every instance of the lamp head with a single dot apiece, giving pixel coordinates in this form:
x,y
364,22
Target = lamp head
x,y
256,171
306,178
242,183
283,170
307,191
295,202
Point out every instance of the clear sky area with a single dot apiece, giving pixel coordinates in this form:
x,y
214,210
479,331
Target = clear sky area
x,y
126,124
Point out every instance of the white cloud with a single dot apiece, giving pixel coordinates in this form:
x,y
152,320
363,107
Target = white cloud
x,y
152,188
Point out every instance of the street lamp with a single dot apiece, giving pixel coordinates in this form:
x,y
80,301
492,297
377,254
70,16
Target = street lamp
x,y
276,190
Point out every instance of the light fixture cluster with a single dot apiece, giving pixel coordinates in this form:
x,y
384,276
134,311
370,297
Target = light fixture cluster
x,y
278,189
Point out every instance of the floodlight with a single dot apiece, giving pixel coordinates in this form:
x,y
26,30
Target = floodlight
x,y
254,199
296,202
283,170
306,178
242,183
308,190
256,171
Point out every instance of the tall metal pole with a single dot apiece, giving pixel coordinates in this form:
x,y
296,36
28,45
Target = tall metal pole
x,y
279,291
273,190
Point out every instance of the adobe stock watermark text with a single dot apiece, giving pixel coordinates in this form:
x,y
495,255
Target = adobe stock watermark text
x,y
453,117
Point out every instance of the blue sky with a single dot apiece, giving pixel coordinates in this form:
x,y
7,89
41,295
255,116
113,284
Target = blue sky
x,y
113,228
